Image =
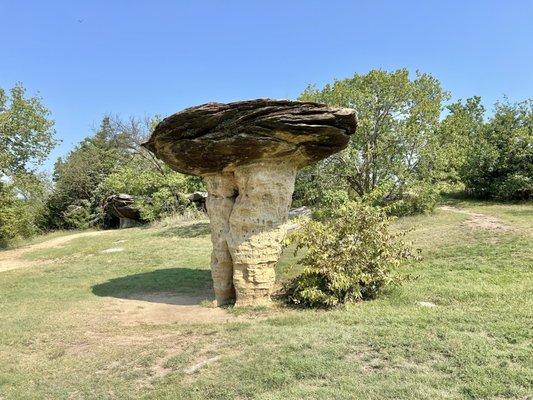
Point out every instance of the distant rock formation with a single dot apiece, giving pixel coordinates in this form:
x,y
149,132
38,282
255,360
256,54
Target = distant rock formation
x,y
119,212
198,199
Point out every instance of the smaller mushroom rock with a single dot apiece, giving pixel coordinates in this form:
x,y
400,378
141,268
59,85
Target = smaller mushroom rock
x,y
248,153
120,206
198,199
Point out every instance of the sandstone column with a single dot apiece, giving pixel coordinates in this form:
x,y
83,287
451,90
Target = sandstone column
x,y
257,227
221,191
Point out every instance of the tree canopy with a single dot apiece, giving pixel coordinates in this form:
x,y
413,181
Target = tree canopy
x,y
26,131
499,164
26,139
392,156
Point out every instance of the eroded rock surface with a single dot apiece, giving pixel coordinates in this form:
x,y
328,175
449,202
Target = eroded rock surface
x,y
220,201
248,153
213,137
257,227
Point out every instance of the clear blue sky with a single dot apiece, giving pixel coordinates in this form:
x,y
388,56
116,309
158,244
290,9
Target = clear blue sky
x,y
88,58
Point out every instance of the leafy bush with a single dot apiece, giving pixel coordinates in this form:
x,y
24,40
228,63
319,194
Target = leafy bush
x,y
330,201
416,198
79,216
21,207
162,203
15,217
350,257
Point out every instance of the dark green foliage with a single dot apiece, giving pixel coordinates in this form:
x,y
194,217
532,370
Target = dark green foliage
x,y
79,190
349,257
79,215
500,161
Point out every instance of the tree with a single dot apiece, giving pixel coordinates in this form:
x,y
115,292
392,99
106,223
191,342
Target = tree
x,y
78,179
26,132
26,139
499,164
131,133
456,135
391,158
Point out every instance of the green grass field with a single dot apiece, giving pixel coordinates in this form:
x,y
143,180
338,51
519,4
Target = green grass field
x,y
76,323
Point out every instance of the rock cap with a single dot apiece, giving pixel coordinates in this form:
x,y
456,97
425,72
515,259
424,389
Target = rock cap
x,y
216,137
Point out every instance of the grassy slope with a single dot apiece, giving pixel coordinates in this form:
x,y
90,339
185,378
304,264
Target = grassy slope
x,y
57,342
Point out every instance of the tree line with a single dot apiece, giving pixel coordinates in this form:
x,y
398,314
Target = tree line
x,y
411,145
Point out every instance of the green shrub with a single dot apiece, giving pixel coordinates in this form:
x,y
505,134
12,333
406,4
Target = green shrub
x,y
419,197
330,201
79,216
162,203
21,207
350,257
16,220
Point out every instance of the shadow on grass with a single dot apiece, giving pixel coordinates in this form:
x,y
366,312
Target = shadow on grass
x,y
520,213
186,231
182,286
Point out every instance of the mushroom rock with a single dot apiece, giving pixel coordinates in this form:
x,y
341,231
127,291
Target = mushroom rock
x,y
198,199
121,206
248,153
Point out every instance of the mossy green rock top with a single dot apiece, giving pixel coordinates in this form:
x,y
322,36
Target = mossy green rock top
x,y
216,137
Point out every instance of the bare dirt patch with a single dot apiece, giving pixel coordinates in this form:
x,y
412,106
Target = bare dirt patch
x,y
479,221
12,259
164,308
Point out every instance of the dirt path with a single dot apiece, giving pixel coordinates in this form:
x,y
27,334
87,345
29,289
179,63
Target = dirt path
x,y
13,259
479,221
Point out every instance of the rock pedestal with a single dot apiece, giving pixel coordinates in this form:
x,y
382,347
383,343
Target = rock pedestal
x,y
125,223
248,209
222,192
248,154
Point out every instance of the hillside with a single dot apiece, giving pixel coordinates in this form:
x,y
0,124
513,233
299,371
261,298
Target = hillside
x,y
126,314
